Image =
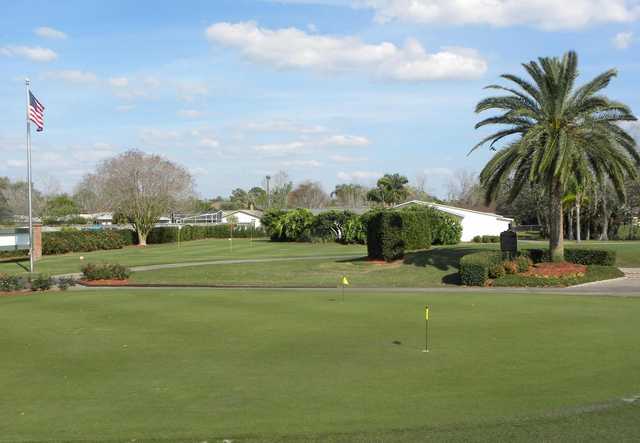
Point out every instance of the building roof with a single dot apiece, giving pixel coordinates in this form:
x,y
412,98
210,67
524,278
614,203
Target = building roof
x,y
453,210
252,212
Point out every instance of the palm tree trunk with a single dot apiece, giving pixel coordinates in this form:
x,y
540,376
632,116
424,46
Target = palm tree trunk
x,y
570,223
556,234
578,239
605,218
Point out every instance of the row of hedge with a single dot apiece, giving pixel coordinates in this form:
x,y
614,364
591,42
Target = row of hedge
x,y
486,239
37,282
74,240
392,232
477,268
301,225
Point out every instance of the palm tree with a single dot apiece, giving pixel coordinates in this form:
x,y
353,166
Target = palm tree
x,y
563,133
390,190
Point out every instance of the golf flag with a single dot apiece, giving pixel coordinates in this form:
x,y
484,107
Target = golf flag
x,y
426,312
345,282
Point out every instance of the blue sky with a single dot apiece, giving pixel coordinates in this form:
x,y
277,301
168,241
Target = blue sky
x,y
329,90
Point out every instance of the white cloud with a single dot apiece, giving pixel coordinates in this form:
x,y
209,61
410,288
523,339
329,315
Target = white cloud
x,y
301,164
73,76
124,108
294,48
622,40
46,32
33,53
347,159
119,82
359,176
545,14
189,113
277,149
284,126
16,163
441,172
346,140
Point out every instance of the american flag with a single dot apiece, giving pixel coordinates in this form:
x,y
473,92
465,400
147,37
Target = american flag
x,y
36,112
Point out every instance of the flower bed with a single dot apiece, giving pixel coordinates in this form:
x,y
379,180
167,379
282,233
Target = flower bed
x,y
556,270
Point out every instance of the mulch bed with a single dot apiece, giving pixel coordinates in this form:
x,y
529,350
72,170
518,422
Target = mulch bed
x,y
104,282
560,269
17,293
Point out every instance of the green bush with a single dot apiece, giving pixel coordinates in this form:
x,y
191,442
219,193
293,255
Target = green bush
x,y
490,239
445,229
170,234
14,254
628,232
601,257
41,282
384,236
73,240
523,264
10,283
477,239
594,273
64,283
416,229
105,271
497,270
340,226
474,268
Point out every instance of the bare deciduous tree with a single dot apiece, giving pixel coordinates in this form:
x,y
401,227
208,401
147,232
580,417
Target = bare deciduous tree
x,y
143,187
85,194
308,195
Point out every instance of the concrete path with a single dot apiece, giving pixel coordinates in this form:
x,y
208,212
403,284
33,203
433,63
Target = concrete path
x,y
630,283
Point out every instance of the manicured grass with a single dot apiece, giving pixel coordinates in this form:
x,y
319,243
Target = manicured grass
x,y
192,251
197,365
430,268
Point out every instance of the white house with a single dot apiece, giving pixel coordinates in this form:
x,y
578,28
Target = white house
x,y
473,222
243,217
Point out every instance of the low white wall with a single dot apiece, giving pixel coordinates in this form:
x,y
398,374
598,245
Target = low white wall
x,y
243,218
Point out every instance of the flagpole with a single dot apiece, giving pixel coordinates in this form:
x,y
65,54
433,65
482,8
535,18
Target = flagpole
x,y
27,83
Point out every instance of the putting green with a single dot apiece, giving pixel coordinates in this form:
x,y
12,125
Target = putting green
x,y
203,364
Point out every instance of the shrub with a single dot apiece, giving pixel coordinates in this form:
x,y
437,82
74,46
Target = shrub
x,y
10,283
73,240
105,271
416,228
341,226
628,232
170,234
497,270
41,282
64,283
445,229
477,239
272,222
601,257
594,273
474,268
384,236
523,263
490,239
510,267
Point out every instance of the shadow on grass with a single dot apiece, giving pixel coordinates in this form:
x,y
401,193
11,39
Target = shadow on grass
x,y
440,258
18,261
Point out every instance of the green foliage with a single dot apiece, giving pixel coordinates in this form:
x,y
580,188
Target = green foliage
x,y
294,225
64,283
170,234
497,270
416,229
60,206
445,228
628,232
73,240
477,239
523,263
390,189
564,135
601,257
272,222
340,226
594,273
474,268
385,239
10,283
41,282
105,271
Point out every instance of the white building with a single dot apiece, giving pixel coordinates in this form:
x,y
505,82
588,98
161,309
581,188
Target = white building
x,y
473,222
243,217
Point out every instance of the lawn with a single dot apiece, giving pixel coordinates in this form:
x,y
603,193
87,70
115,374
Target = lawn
x,y
192,251
197,365
434,267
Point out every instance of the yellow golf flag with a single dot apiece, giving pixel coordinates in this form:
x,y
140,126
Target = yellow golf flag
x,y
345,282
426,312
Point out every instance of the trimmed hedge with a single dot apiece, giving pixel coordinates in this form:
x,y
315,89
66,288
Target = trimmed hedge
x,y
445,229
474,268
384,236
69,240
594,273
600,257
105,271
169,234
